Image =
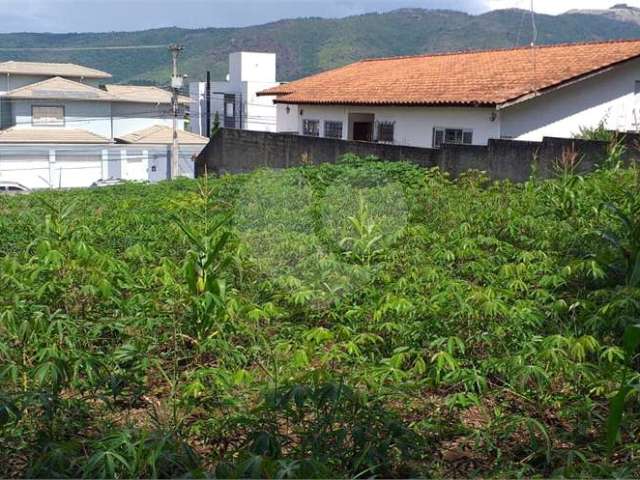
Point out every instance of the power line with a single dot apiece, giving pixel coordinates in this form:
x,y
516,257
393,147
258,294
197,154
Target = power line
x,y
71,49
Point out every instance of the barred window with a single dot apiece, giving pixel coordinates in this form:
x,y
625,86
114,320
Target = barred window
x,y
47,115
386,132
333,129
311,128
460,136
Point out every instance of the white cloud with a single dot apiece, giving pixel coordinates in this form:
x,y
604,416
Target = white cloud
x,y
555,6
107,15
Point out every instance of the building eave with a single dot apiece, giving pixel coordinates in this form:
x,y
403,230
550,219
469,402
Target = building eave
x,y
468,104
561,85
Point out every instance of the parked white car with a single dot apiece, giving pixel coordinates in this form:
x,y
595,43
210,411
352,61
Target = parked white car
x,y
12,188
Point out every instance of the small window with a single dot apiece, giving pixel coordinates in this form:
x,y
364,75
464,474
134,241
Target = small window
x,y
386,132
333,129
458,136
311,128
47,115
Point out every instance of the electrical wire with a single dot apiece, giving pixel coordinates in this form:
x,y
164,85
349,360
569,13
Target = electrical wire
x,y
72,49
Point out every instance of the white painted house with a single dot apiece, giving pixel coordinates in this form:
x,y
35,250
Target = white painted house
x,y
235,100
60,126
469,97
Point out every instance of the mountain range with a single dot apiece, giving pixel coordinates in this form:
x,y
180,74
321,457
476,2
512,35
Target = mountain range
x,y
308,45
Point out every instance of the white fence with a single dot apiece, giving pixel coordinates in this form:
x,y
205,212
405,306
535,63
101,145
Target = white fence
x,y
68,166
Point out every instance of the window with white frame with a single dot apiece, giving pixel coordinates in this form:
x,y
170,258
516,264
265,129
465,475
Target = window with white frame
x,y
333,129
461,136
385,132
311,128
49,115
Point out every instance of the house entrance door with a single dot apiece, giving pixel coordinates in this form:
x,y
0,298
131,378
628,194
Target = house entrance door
x,y
361,126
363,131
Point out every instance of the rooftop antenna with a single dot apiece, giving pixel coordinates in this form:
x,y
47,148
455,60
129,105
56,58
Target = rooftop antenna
x,y
534,40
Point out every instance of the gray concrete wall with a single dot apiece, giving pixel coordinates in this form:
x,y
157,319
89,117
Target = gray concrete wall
x,y
238,151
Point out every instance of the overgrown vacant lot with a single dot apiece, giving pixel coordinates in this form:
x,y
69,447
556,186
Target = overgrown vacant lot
x,y
361,319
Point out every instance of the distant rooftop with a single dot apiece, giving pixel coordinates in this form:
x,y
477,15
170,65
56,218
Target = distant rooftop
x,y
50,135
61,89
138,94
51,69
162,135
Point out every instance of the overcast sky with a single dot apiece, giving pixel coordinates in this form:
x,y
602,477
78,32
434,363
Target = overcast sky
x,y
110,15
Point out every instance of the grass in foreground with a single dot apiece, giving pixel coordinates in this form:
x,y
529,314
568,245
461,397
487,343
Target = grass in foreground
x,y
361,319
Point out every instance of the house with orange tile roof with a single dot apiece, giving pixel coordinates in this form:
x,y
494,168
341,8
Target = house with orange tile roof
x,y
469,97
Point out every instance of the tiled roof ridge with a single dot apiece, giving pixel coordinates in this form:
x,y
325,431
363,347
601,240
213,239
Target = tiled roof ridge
x,y
30,86
494,50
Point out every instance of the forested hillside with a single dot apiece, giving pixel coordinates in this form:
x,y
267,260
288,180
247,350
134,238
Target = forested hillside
x,y
309,45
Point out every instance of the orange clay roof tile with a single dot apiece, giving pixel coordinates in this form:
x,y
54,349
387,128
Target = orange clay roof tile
x,y
490,77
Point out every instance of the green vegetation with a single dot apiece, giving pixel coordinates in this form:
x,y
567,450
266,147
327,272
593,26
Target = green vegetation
x,y
308,45
351,320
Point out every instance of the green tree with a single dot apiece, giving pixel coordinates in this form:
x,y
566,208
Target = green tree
x,y
216,124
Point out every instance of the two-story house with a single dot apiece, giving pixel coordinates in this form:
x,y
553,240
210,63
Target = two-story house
x,y
42,96
53,113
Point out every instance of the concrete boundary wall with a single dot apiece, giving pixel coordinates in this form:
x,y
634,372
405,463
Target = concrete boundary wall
x,y
238,151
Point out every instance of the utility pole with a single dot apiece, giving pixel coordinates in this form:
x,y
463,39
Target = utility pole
x,y
176,84
208,105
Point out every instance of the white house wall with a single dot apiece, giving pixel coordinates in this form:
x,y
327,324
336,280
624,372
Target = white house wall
x,y
287,118
610,97
75,166
260,112
28,165
197,93
94,117
131,117
252,67
413,125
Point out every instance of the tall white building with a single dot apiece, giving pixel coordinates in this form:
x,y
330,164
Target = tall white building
x,y
235,100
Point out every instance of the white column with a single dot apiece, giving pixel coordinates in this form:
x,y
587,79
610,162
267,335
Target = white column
x,y
145,162
104,171
52,164
123,164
